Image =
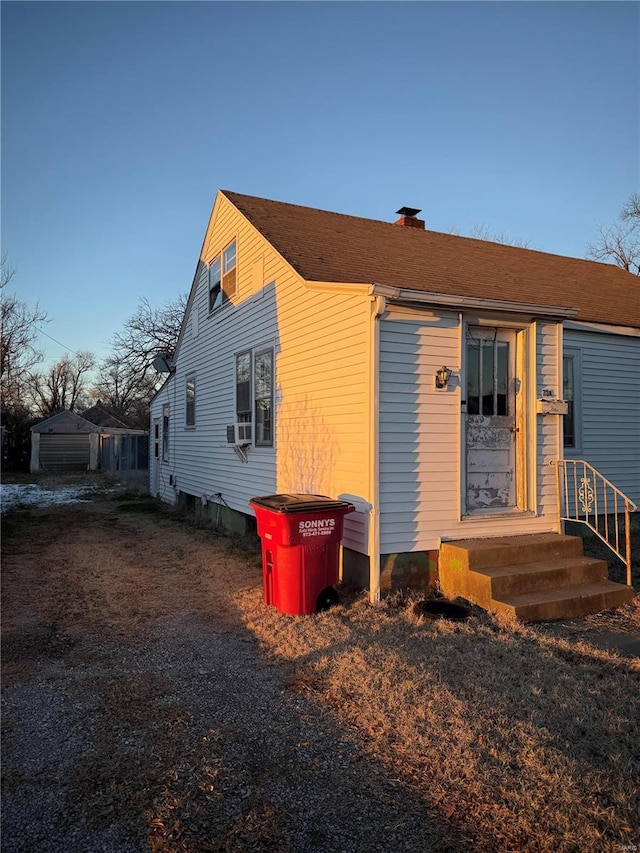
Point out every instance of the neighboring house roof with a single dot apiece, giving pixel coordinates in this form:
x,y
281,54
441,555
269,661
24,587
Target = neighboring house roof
x,y
333,247
68,422
65,422
99,416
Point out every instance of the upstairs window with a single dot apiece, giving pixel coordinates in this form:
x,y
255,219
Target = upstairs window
x,y
190,402
222,277
215,285
229,270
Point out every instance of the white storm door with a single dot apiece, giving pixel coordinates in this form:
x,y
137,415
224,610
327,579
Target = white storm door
x,y
490,420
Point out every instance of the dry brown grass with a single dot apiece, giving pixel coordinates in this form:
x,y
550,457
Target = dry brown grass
x,y
514,737
522,740
126,568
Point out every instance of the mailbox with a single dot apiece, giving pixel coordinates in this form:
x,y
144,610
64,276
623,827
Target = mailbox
x,y
552,407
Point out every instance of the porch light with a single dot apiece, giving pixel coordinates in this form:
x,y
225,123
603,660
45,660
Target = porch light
x,y
442,377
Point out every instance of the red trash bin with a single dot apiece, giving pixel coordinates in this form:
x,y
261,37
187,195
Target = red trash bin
x,y
301,537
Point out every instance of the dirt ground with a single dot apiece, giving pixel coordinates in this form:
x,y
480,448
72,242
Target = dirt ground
x,y
151,702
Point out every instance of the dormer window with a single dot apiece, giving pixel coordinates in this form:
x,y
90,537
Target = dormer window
x,y
222,277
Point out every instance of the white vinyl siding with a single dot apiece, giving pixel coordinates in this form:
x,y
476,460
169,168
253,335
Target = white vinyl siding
x,y
204,464
323,415
609,405
419,432
201,462
420,438
320,347
548,427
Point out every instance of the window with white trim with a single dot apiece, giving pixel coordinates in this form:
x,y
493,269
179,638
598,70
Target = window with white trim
x,y
254,394
243,388
222,277
571,432
263,397
190,401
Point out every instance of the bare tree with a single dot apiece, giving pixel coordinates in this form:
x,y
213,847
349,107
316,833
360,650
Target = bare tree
x,y
150,331
128,379
631,209
124,390
480,231
18,350
64,386
620,242
7,272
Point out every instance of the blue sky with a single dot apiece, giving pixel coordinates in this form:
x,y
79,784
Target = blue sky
x,y
121,120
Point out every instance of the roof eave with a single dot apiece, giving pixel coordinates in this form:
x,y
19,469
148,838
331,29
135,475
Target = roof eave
x,y
420,297
351,287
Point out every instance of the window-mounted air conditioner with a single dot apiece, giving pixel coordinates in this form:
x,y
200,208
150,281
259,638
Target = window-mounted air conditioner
x,y
239,434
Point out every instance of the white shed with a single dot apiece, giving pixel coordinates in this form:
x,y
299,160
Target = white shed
x,y
65,442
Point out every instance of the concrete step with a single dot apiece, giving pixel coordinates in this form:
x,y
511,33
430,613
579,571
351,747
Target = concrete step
x,y
469,554
537,577
566,603
540,575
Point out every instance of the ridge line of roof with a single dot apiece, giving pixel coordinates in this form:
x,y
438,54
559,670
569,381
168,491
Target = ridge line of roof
x,y
477,240
304,207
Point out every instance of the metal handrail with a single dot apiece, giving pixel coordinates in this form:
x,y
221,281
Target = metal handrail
x,y
587,497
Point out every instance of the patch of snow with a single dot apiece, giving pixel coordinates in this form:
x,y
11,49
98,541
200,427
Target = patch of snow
x,y
30,494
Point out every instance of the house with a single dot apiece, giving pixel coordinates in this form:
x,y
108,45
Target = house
x,y
69,442
101,416
417,374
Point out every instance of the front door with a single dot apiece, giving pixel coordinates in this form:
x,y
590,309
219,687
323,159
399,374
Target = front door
x,y
490,420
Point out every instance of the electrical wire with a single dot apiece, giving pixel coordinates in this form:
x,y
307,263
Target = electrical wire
x,y
56,341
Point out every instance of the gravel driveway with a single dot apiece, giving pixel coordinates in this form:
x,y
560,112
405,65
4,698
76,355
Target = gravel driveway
x,y
138,713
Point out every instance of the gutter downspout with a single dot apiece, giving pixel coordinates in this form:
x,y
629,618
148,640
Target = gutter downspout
x,y
378,307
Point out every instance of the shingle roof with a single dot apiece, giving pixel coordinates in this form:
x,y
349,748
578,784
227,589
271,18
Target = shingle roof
x,y
100,417
325,246
65,422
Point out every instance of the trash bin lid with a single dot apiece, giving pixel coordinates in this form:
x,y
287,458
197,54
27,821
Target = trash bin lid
x,y
300,503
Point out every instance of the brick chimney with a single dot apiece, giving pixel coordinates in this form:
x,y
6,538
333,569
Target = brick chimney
x,y
408,218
